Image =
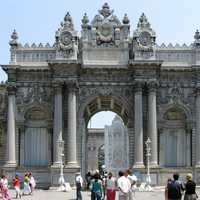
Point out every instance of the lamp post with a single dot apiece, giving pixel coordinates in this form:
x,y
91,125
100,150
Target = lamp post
x,y
61,179
148,154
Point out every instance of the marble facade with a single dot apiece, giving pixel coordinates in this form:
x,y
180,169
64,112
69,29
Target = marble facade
x,y
53,90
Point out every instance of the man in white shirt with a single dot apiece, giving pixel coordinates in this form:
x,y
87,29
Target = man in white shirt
x,y
79,185
124,186
133,179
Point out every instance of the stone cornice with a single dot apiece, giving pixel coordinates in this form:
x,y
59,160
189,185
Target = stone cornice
x,y
145,63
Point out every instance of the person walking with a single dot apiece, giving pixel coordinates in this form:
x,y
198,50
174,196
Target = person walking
x,y
175,188
32,182
79,186
5,194
110,185
124,186
27,189
190,188
96,188
16,185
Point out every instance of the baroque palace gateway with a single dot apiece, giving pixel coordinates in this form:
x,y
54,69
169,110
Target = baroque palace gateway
x,y
53,91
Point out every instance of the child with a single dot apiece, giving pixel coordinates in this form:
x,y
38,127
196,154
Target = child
x,y
27,189
16,184
32,183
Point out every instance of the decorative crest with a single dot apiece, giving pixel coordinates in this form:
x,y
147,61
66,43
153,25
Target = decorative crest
x,y
66,39
85,19
197,39
14,37
68,22
105,11
143,22
125,19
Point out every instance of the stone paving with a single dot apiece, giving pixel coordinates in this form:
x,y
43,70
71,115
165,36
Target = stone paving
x,y
157,194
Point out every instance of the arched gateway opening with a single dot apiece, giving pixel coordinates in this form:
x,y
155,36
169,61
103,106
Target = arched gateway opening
x,y
109,146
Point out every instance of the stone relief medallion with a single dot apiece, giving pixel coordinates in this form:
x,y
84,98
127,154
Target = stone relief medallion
x,y
66,38
145,38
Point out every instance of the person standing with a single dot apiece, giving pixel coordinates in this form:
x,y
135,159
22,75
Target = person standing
x,y
175,188
16,185
27,189
4,188
124,186
96,188
79,185
190,188
110,185
32,182
133,180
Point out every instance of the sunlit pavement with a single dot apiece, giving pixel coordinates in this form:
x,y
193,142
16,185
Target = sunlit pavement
x,y
157,194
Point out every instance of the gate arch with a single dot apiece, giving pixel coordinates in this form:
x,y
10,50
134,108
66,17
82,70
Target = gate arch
x,y
97,103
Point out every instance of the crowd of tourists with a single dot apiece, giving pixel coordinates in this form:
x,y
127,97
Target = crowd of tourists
x,y
28,186
105,187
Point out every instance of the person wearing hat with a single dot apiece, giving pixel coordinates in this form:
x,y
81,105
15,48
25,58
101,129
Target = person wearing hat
x,y
190,188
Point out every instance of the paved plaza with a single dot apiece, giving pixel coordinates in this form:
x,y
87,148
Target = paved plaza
x,y
157,194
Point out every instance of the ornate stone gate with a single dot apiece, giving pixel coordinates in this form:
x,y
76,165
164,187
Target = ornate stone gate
x,y
52,91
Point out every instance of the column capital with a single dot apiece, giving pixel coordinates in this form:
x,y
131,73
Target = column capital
x,y
11,89
138,86
72,87
57,87
197,91
152,86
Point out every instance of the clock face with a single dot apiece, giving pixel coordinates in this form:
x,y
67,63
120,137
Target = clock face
x,y
66,38
145,38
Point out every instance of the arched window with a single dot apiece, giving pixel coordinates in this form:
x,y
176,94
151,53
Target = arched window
x,y
36,139
175,140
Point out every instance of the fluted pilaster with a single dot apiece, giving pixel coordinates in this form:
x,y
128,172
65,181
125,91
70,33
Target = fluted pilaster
x,y
72,125
57,127
138,150
197,136
152,123
11,147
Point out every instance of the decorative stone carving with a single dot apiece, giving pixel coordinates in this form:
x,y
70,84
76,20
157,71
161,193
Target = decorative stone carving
x,y
196,43
66,40
34,94
106,29
144,40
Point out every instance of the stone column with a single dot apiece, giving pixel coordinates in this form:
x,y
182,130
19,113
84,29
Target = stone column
x,y
11,143
152,123
197,135
57,126
72,159
138,150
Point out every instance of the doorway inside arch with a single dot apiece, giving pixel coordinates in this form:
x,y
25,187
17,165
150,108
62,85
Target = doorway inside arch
x,y
107,143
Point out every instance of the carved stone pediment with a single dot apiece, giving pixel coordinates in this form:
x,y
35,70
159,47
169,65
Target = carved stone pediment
x,y
144,40
66,40
106,29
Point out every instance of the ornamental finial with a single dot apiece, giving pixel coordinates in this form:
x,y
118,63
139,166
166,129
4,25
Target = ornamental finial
x,y
85,19
125,19
14,37
68,22
105,11
143,22
197,39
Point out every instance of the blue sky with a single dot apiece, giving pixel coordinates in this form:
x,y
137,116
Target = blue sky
x,y
174,21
